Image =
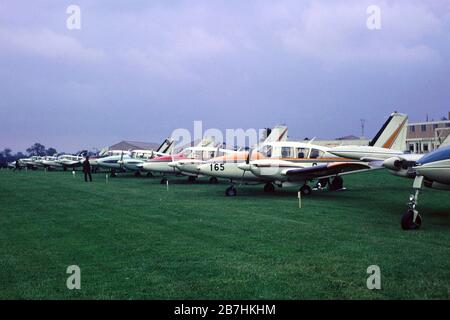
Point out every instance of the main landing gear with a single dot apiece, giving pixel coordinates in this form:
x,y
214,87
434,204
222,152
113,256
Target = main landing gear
x,y
231,191
213,180
269,188
305,190
164,180
191,179
412,220
137,174
337,184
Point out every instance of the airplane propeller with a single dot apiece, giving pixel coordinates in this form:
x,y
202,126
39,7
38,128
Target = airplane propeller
x,y
247,165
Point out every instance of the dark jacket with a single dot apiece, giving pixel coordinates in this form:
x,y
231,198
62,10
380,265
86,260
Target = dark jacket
x,y
86,166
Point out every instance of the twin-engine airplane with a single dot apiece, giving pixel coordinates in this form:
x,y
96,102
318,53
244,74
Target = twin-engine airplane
x,y
165,164
132,160
188,162
285,163
431,170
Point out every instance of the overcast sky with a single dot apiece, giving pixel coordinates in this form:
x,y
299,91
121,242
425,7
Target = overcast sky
x,y
139,69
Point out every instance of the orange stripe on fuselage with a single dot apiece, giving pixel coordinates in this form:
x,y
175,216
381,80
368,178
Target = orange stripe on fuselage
x,y
394,136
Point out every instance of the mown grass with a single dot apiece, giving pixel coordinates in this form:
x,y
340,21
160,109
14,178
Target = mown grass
x,y
133,239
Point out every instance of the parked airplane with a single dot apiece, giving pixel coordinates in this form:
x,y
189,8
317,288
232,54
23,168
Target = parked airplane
x,y
187,162
291,164
130,159
161,164
189,165
431,170
50,162
138,157
71,161
30,163
388,142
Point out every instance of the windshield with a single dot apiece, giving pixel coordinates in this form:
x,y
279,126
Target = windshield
x,y
266,151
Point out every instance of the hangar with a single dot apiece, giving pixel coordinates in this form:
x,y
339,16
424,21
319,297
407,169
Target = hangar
x,y
134,145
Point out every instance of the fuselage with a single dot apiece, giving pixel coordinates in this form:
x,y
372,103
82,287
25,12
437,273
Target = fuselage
x,y
269,162
435,167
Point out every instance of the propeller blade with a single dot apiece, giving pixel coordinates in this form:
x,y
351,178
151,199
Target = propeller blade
x,y
249,156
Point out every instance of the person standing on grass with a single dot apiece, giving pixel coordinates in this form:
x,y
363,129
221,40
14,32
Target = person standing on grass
x,y
87,169
17,165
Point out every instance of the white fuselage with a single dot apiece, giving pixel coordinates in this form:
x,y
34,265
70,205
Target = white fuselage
x,y
270,162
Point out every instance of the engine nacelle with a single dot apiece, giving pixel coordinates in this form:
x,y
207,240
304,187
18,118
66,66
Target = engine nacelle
x,y
400,167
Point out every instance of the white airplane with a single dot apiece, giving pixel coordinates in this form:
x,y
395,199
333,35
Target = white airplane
x,y
161,163
390,141
30,163
131,159
194,157
431,170
71,161
290,164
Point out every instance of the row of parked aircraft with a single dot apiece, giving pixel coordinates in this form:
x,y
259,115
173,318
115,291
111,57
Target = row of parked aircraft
x,y
282,163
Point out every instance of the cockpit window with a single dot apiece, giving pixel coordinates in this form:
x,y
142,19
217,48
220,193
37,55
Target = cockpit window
x,y
301,153
286,152
316,153
266,151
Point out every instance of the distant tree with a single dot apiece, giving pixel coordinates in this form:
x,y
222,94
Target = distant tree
x,y
19,155
6,152
36,150
51,151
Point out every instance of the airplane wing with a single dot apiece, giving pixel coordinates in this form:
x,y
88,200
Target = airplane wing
x,y
326,170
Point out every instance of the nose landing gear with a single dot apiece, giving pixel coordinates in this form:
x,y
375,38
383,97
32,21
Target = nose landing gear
x,y
412,220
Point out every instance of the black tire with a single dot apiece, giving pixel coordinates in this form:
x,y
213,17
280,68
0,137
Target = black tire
x,y
408,223
137,174
149,174
213,180
269,188
163,181
191,179
337,183
231,191
306,190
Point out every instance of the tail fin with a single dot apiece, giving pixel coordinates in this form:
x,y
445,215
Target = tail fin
x,y
446,142
392,134
278,133
166,146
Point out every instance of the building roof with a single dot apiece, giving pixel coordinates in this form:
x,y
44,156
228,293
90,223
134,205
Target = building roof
x,y
131,145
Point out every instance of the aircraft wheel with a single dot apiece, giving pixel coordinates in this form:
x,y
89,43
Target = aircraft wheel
x,y
337,183
408,223
306,190
231,191
164,180
149,174
191,179
269,187
137,174
213,180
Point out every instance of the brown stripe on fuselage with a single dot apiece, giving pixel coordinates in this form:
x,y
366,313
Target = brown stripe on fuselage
x,y
394,136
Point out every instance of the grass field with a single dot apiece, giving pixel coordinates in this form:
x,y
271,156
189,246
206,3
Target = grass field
x,y
133,239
